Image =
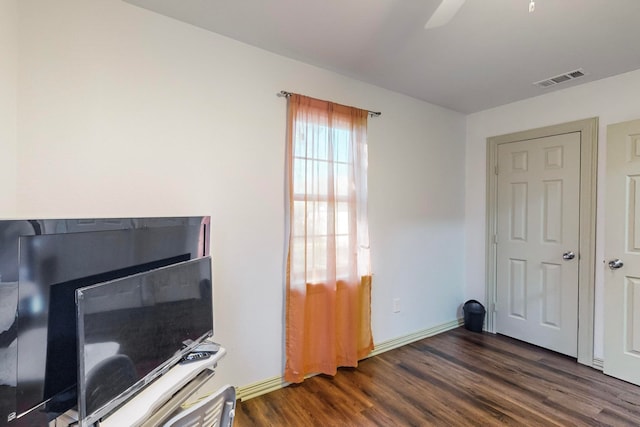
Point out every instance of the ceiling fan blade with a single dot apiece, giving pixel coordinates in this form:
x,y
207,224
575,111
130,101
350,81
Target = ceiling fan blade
x,y
444,13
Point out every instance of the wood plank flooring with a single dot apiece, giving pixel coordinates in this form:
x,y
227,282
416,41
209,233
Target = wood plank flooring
x,y
457,378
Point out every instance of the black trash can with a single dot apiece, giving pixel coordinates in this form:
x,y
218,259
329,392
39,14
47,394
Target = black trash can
x,y
473,315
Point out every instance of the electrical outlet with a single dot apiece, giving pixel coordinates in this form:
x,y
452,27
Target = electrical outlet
x,y
396,305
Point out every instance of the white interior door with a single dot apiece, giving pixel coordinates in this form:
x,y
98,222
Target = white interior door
x,y
622,243
538,202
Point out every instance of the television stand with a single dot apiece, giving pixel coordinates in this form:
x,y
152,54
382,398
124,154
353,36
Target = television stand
x,y
159,399
164,395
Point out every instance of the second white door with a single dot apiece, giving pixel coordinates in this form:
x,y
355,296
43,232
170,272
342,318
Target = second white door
x,y
537,241
622,247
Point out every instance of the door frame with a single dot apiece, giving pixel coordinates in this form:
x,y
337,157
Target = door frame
x,y
588,129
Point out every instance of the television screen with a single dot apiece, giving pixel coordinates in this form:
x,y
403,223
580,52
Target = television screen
x,y
132,329
42,263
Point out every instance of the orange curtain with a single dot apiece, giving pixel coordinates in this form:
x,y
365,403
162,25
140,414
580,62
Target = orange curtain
x,y
328,298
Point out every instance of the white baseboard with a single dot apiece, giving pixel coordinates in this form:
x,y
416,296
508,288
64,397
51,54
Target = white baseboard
x,y
275,383
598,364
416,336
262,387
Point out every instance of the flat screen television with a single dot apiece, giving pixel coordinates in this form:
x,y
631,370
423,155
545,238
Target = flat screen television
x,y
133,329
42,263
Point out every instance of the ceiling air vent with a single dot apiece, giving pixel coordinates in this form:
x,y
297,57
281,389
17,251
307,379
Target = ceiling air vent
x,y
571,75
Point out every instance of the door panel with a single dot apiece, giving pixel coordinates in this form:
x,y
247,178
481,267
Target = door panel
x,y
518,288
537,222
622,241
552,294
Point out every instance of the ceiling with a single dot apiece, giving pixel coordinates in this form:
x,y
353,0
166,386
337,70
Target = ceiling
x,y
489,54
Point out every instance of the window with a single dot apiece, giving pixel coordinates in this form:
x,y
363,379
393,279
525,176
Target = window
x,y
322,217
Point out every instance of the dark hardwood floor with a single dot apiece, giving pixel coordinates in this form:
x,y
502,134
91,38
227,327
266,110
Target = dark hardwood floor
x,y
457,378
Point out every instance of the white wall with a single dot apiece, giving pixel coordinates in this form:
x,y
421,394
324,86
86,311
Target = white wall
x,y
612,100
8,105
123,112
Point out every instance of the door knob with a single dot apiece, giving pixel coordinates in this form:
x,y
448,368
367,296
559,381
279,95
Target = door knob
x,y
568,255
615,264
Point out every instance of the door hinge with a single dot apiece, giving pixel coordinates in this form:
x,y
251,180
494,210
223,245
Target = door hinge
x,y
495,169
495,239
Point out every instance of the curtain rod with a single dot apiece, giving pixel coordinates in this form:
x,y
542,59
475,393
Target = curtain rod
x,y
285,94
